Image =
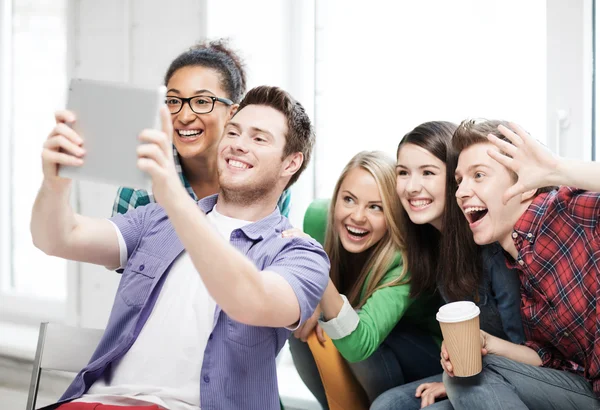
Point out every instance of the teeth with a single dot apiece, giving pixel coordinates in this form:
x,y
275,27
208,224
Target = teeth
x,y
238,164
472,209
355,230
187,133
420,202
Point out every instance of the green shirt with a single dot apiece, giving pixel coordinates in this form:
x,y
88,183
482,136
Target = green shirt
x,y
383,311
385,308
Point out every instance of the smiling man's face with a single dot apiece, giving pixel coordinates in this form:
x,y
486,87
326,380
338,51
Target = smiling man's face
x,y
251,162
481,184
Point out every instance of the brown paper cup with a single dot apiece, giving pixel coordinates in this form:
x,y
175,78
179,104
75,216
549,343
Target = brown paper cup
x,y
462,337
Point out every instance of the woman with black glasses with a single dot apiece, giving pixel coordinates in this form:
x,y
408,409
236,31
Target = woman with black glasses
x,y
204,87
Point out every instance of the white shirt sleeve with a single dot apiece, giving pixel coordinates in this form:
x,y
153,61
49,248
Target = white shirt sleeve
x,y
342,325
122,247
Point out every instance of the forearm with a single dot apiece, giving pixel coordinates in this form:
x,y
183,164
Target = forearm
x,y
518,353
58,231
52,219
332,302
246,294
578,174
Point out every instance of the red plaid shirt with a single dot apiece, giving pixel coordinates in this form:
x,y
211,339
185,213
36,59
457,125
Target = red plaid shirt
x,y
558,240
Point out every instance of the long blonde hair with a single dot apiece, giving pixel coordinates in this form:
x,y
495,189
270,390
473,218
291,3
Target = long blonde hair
x,y
383,170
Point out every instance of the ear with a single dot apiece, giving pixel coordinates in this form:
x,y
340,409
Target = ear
x,y
292,164
233,110
528,195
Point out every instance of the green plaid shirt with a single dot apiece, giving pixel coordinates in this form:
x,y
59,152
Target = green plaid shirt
x,y
128,198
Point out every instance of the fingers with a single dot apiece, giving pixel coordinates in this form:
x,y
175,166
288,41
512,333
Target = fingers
x,y
320,334
421,388
67,132
297,332
158,138
62,143
503,146
501,158
64,116
61,158
427,399
511,135
167,123
524,135
153,152
512,192
149,166
445,361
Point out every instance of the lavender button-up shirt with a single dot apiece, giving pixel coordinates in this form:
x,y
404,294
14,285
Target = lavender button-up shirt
x,y
238,371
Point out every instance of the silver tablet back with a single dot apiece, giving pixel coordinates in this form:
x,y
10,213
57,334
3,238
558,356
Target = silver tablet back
x,y
110,116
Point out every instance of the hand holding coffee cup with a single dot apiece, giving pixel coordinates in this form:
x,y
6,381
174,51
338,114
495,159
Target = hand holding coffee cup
x,y
462,347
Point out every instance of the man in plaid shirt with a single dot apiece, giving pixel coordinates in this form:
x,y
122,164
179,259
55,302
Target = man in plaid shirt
x,y
552,236
128,198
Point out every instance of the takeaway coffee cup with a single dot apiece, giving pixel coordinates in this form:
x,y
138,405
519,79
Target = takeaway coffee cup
x,y
460,327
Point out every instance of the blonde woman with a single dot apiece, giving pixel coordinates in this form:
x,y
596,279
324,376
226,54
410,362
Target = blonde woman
x,y
388,337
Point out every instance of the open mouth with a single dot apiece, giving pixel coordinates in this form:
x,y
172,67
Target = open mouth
x,y
356,233
475,213
238,164
189,134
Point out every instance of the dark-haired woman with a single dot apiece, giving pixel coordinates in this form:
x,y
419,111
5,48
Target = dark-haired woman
x,y
426,187
204,86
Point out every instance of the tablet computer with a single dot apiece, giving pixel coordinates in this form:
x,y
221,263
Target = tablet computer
x,y
110,116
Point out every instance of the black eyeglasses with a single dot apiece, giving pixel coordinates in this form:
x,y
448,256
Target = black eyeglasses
x,y
199,105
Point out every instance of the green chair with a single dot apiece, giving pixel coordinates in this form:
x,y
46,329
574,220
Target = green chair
x,y
315,219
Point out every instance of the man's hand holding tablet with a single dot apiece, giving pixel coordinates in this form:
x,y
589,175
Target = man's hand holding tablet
x,y
97,138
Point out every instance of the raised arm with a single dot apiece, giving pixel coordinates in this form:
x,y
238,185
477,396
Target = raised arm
x,y
536,167
284,294
55,228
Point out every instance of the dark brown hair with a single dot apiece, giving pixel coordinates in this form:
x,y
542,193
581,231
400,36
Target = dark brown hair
x,y
426,248
300,135
475,131
218,56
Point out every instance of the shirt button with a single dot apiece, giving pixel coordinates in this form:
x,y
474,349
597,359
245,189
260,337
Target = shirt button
x,y
566,334
206,379
530,235
514,235
142,267
521,262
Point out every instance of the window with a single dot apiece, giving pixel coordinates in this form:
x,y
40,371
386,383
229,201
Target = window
x,y
384,68
34,43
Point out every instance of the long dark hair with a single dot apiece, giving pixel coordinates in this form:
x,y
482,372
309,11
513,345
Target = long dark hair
x,y
427,250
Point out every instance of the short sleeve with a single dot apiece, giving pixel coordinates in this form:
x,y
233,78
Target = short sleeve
x,y
131,225
305,266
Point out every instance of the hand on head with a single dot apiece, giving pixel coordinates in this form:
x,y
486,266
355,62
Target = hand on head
x,y
531,161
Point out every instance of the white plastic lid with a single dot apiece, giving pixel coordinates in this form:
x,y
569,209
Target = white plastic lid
x,y
457,312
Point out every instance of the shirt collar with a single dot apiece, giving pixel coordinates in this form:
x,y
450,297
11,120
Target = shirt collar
x,y
254,230
529,223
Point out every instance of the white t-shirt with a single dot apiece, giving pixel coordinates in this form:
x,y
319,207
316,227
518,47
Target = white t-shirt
x,y
163,365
